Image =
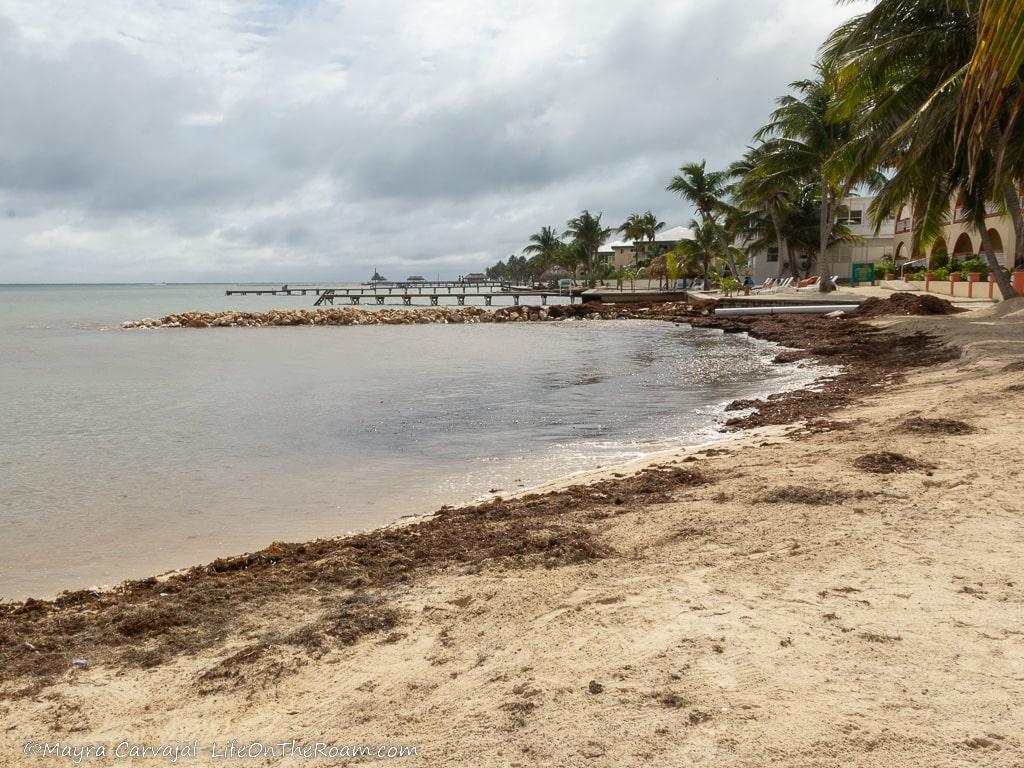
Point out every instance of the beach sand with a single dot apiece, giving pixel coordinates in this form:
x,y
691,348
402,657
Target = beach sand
x,y
772,600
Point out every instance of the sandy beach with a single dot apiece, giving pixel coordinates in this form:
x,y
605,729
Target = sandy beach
x,y
838,585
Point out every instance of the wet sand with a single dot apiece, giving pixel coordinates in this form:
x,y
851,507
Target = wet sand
x,y
838,587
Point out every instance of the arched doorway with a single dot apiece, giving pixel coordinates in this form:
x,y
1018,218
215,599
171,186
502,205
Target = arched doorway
x,y
939,254
963,246
997,245
900,252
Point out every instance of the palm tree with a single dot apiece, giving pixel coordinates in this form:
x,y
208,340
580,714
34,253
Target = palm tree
x,y
544,245
702,251
807,136
901,69
992,83
633,229
651,227
672,266
587,233
706,191
761,184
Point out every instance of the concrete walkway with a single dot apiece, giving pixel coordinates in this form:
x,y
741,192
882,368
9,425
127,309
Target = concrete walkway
x,y
845,293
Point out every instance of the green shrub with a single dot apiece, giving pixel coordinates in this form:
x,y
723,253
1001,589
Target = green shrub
x,y
942,273
973,264
728,285
886,267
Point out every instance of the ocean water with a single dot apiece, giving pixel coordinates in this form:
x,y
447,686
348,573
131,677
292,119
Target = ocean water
x,y
125,453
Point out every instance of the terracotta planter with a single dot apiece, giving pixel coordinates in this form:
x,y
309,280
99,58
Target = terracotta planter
x,y
931,276
1017,281
974,277
890,276
954,277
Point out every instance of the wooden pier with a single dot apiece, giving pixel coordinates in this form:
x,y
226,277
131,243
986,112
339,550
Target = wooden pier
x,y
379,293
355,297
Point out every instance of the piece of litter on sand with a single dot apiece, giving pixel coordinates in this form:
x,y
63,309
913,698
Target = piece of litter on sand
x,y
79,663
837,313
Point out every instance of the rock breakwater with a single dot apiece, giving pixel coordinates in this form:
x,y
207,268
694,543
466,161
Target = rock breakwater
x,y
418,315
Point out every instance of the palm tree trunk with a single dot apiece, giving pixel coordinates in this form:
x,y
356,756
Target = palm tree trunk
x,y
1012,200
709,221
780,241
730,260
825,225
1005,286
794,266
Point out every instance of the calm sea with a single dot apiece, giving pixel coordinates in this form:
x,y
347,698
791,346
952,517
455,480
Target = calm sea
x,y
127,453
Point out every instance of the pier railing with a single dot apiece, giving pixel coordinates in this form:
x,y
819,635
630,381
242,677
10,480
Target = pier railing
x,y
432,291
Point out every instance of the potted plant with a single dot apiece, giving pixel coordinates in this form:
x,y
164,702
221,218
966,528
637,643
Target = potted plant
x,y
974,270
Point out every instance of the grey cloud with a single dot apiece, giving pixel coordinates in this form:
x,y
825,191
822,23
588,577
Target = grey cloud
x,y
412,154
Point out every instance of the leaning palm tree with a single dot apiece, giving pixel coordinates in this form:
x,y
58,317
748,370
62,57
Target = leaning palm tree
x,y
706,191
544,246
587,233
992,88
900,70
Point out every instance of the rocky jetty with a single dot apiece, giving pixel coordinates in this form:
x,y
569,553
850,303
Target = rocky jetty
x,y
418,315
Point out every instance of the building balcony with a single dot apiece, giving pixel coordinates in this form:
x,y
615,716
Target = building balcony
x,y
960,213
903,225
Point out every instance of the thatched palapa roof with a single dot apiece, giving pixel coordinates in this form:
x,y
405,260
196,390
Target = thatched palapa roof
x,y
555,273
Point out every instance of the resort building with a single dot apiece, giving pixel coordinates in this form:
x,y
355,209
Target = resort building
x,y
869,247
959,238
620,253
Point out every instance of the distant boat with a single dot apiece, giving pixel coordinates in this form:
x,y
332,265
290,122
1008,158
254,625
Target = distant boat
x,y
415,279
378,277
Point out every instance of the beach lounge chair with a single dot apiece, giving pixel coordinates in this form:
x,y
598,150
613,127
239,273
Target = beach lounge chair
x,y
768,283
783,286
809,282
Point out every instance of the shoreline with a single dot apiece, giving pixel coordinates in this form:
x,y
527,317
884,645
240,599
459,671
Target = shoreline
x,y
763,418
697,588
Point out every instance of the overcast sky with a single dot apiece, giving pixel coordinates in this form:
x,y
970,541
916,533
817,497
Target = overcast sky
x,y
292,140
